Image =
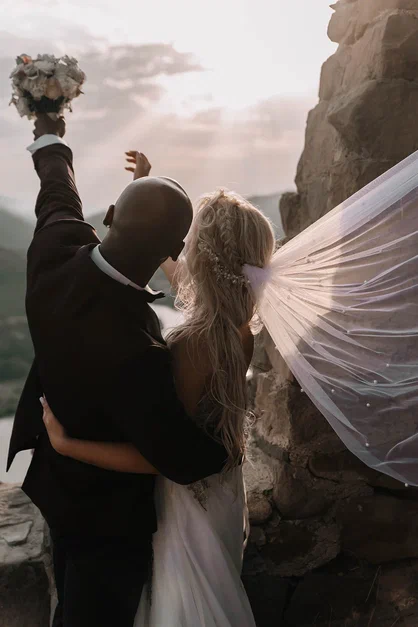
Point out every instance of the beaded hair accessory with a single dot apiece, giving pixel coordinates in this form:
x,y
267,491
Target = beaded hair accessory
x,y
219,269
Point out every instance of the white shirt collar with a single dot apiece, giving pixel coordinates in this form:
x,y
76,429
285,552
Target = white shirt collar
x,y
105,267
45,140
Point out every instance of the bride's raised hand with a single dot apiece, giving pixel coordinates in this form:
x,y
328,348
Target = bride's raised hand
x,y
141,166
56,432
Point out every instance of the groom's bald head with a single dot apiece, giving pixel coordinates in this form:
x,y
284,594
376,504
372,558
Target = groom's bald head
x,y
149,222
154,211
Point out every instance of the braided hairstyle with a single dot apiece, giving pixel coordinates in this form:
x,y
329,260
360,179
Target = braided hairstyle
x,y
227,232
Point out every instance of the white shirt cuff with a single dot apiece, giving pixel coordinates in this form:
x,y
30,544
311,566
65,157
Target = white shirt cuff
x,y
45,140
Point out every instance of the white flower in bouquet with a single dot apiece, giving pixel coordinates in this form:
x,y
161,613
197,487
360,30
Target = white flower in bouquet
x,y
22,106
53,89
46,84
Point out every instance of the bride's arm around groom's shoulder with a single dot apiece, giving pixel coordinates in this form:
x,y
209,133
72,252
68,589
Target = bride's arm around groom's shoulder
x,y
160,437
58,198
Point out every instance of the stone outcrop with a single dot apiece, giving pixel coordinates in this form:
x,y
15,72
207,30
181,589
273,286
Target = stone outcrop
x,y
365,121
24,562
352,594
322,499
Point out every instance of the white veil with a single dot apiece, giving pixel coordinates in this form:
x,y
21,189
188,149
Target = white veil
x,y
340,301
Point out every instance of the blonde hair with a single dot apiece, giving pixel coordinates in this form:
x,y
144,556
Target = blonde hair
x,y
227,232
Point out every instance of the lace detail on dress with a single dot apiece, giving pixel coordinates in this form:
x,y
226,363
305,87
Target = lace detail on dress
x,y
200,491
150,576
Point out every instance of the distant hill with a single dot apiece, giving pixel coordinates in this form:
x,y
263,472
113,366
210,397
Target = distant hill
x,y
15,232
12,283
16,351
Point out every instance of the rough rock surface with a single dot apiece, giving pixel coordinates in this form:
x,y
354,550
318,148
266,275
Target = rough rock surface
x,y
349,593
343,593
324,500
365,121
24,584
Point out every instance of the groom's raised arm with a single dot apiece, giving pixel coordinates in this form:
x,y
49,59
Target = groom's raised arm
x,y
144,405
58,197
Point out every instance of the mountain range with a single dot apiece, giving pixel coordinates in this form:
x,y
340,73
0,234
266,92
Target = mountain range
x,y
15,232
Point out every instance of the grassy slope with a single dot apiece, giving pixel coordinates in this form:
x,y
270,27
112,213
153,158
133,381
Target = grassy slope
x,y
15,343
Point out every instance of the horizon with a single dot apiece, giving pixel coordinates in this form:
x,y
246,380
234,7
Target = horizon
x,y
9,205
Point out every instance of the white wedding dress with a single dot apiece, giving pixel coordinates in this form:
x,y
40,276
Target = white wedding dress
x,y
198,551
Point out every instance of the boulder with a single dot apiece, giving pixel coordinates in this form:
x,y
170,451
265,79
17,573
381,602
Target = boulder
x,y
258,476
343,466
374,10
24,583
333,72
363,118
388,50
295,547
297,494
280,429
379,528
326,597
342,24
349,593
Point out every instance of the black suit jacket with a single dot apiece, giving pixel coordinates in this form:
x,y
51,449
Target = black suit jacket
x,y
105,370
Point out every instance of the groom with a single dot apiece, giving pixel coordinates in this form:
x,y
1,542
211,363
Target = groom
x,y
105,370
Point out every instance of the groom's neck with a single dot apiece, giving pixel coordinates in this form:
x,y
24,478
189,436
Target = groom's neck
x,y
128,263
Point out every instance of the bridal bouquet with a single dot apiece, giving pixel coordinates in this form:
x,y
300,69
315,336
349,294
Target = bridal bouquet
x,y
46,84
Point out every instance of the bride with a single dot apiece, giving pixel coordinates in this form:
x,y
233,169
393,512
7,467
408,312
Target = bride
x,y
198,548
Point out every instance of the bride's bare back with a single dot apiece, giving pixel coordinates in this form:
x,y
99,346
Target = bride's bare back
x,y
192,369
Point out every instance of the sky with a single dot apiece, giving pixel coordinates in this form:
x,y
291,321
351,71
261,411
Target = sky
x,y
214,92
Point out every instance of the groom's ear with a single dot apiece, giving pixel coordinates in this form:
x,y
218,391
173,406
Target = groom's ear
x,y
109,216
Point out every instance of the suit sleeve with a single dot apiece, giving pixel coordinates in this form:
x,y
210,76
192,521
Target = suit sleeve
x,y
28,422
145,407
58,197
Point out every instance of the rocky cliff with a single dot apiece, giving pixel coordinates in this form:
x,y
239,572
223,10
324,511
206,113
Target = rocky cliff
x,y
25,564
366,118
312,502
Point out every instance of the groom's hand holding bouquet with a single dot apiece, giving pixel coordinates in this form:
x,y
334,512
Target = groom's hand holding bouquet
x,y
43,88
44,125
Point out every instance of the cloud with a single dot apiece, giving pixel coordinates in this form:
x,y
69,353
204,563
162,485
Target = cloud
x,y
254,150
137,63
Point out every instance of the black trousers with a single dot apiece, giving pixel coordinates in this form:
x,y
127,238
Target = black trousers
x,y
99,580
